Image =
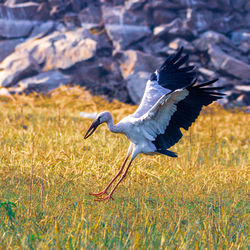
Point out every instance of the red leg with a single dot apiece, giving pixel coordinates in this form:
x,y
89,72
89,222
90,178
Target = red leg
x,y
119,172
108,197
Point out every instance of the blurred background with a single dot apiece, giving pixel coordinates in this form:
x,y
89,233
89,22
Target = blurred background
x,y
111,47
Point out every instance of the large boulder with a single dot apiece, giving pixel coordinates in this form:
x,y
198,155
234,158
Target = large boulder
x,y
228,64
210,37
136,84
25,10
44,82
15,28
132,61
41,29
124,26
239,36
170,31
60,50
17,66
136,68
125,35
8,46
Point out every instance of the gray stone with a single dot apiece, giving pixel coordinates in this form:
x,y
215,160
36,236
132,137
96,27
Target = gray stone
x,y
176,28
15,28
132,62
136,84
244,47
91,14
241,101
210,37
16,67
178,43
8,46
61,50
240,36
230,65
44,82
125,35
198,20
136,68
122,15
162,16
12,10
243,88
207,72
42,29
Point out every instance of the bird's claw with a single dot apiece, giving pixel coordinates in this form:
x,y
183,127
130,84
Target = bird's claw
x,y
107,198
99,194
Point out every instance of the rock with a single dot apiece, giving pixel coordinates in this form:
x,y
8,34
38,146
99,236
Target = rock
x,y
42,29
228,64
71,21
240,36
178,43
208,73
124,26
244,47
162,16
91,14
135,5
77,5
16,67
61,50
198,20
125,35
235,21
210,37
158,4
136,68
243,88
58,7
241,101
238,4
172,30
136,84
24,11
89,73
44,82
15,28
136,61
122,15
113,14
8,46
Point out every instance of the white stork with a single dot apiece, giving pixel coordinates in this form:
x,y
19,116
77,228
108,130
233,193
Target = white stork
x,y
171,101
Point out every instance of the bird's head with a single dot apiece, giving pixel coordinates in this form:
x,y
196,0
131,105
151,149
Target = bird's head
x,y
101,118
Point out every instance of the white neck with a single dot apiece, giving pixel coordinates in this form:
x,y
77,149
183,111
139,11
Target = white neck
x,y
113,128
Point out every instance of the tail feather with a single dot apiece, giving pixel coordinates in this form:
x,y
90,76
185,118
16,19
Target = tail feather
x,y
166,152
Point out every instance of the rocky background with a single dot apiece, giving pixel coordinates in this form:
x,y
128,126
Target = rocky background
x,y
111,46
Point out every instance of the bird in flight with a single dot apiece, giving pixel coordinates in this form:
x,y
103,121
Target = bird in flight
x,y
172,100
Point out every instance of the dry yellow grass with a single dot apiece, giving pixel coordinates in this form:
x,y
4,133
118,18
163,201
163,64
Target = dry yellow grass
x,y
198,200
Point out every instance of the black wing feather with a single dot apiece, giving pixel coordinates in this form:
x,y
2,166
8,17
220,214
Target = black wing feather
x,y
187,112
171,76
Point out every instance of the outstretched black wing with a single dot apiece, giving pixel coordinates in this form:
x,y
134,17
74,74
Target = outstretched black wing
x,y
171,75
186,113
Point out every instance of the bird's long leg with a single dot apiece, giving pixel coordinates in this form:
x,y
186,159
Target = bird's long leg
x,y
108,197
119,172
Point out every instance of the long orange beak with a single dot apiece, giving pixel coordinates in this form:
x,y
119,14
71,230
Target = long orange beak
x,y
92,129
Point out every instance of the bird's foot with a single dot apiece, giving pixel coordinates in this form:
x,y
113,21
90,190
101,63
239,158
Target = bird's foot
x,y
99,194
107,198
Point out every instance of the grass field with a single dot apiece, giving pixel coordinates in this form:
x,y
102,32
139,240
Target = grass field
x,y
196,201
